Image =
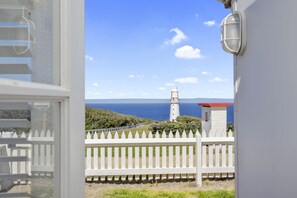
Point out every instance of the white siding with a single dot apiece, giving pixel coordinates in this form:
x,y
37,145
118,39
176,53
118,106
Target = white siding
x,y
265,101
218,118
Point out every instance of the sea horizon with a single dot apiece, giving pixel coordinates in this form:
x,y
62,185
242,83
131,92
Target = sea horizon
x,y
156,100
156,111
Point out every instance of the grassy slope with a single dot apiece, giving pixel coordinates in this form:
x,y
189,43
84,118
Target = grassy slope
x,y
100,118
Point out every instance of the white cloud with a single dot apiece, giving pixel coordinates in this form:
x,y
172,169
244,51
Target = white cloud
x,y
144,93
188,80
179,37
196,15
218,79
89,58
136,76
169,84
205,73
161,88
155,77
188,52
210,23
95,84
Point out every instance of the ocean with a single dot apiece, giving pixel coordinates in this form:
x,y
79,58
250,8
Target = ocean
x,y
157,111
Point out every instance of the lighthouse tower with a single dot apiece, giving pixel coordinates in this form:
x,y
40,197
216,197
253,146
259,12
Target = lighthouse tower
x,y
174,106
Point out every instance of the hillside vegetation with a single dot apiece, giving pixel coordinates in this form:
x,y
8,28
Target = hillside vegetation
x,y
100,118
184,123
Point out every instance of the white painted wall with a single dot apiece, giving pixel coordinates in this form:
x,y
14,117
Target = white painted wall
x,y
265,101
218,118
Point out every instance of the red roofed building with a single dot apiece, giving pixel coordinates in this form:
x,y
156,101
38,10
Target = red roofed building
x,y
214,117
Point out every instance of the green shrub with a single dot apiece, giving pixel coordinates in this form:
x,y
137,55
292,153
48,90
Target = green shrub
x,y
184,123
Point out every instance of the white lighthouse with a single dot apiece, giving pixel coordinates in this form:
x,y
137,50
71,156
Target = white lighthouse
x,y
174,105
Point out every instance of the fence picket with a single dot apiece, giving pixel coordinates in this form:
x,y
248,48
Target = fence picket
x,y
170,155
177,155
164,155
14,152
95,152
204,151
116,156
102,156
109,157
95,156
224,154
217,154
23,153
35,154
150,156
89,154
191,155
157,155
42,149
143,156
123,157
136,158
210,154
230,154
48,149
184,154
29,154
89,157
130,153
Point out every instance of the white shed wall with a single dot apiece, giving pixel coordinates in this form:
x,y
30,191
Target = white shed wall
x,y
218,118
265,101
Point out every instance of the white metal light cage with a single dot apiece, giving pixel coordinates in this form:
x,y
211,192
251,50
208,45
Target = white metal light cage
x,y
233,33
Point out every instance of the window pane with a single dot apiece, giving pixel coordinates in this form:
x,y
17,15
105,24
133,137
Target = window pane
x,y
29,145
29,40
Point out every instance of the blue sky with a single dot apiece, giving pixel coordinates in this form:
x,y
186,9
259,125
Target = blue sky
x,y
142,48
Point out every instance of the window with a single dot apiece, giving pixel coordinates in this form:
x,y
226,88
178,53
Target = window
x,y
30,134
29,41
206,116
40,113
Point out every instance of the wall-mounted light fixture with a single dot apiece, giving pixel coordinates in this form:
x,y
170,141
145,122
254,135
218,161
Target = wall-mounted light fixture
x,y
233,33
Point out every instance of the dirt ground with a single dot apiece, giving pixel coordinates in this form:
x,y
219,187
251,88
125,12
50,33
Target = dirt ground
x,y
96,190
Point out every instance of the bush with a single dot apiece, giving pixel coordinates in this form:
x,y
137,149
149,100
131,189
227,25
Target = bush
x,y
184,123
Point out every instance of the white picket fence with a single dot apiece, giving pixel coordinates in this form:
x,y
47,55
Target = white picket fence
x,y
117,156
30,154
159,156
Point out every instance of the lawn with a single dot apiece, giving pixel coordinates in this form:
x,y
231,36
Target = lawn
x,y
126,193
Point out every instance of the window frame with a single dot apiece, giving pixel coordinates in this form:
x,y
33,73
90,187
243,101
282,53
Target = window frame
x,y
71,100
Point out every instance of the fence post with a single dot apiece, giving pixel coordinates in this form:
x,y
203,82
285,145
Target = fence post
x,y
198,160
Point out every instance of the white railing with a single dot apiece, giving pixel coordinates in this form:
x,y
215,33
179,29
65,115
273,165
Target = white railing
x,y
30,153
159,156
117,156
